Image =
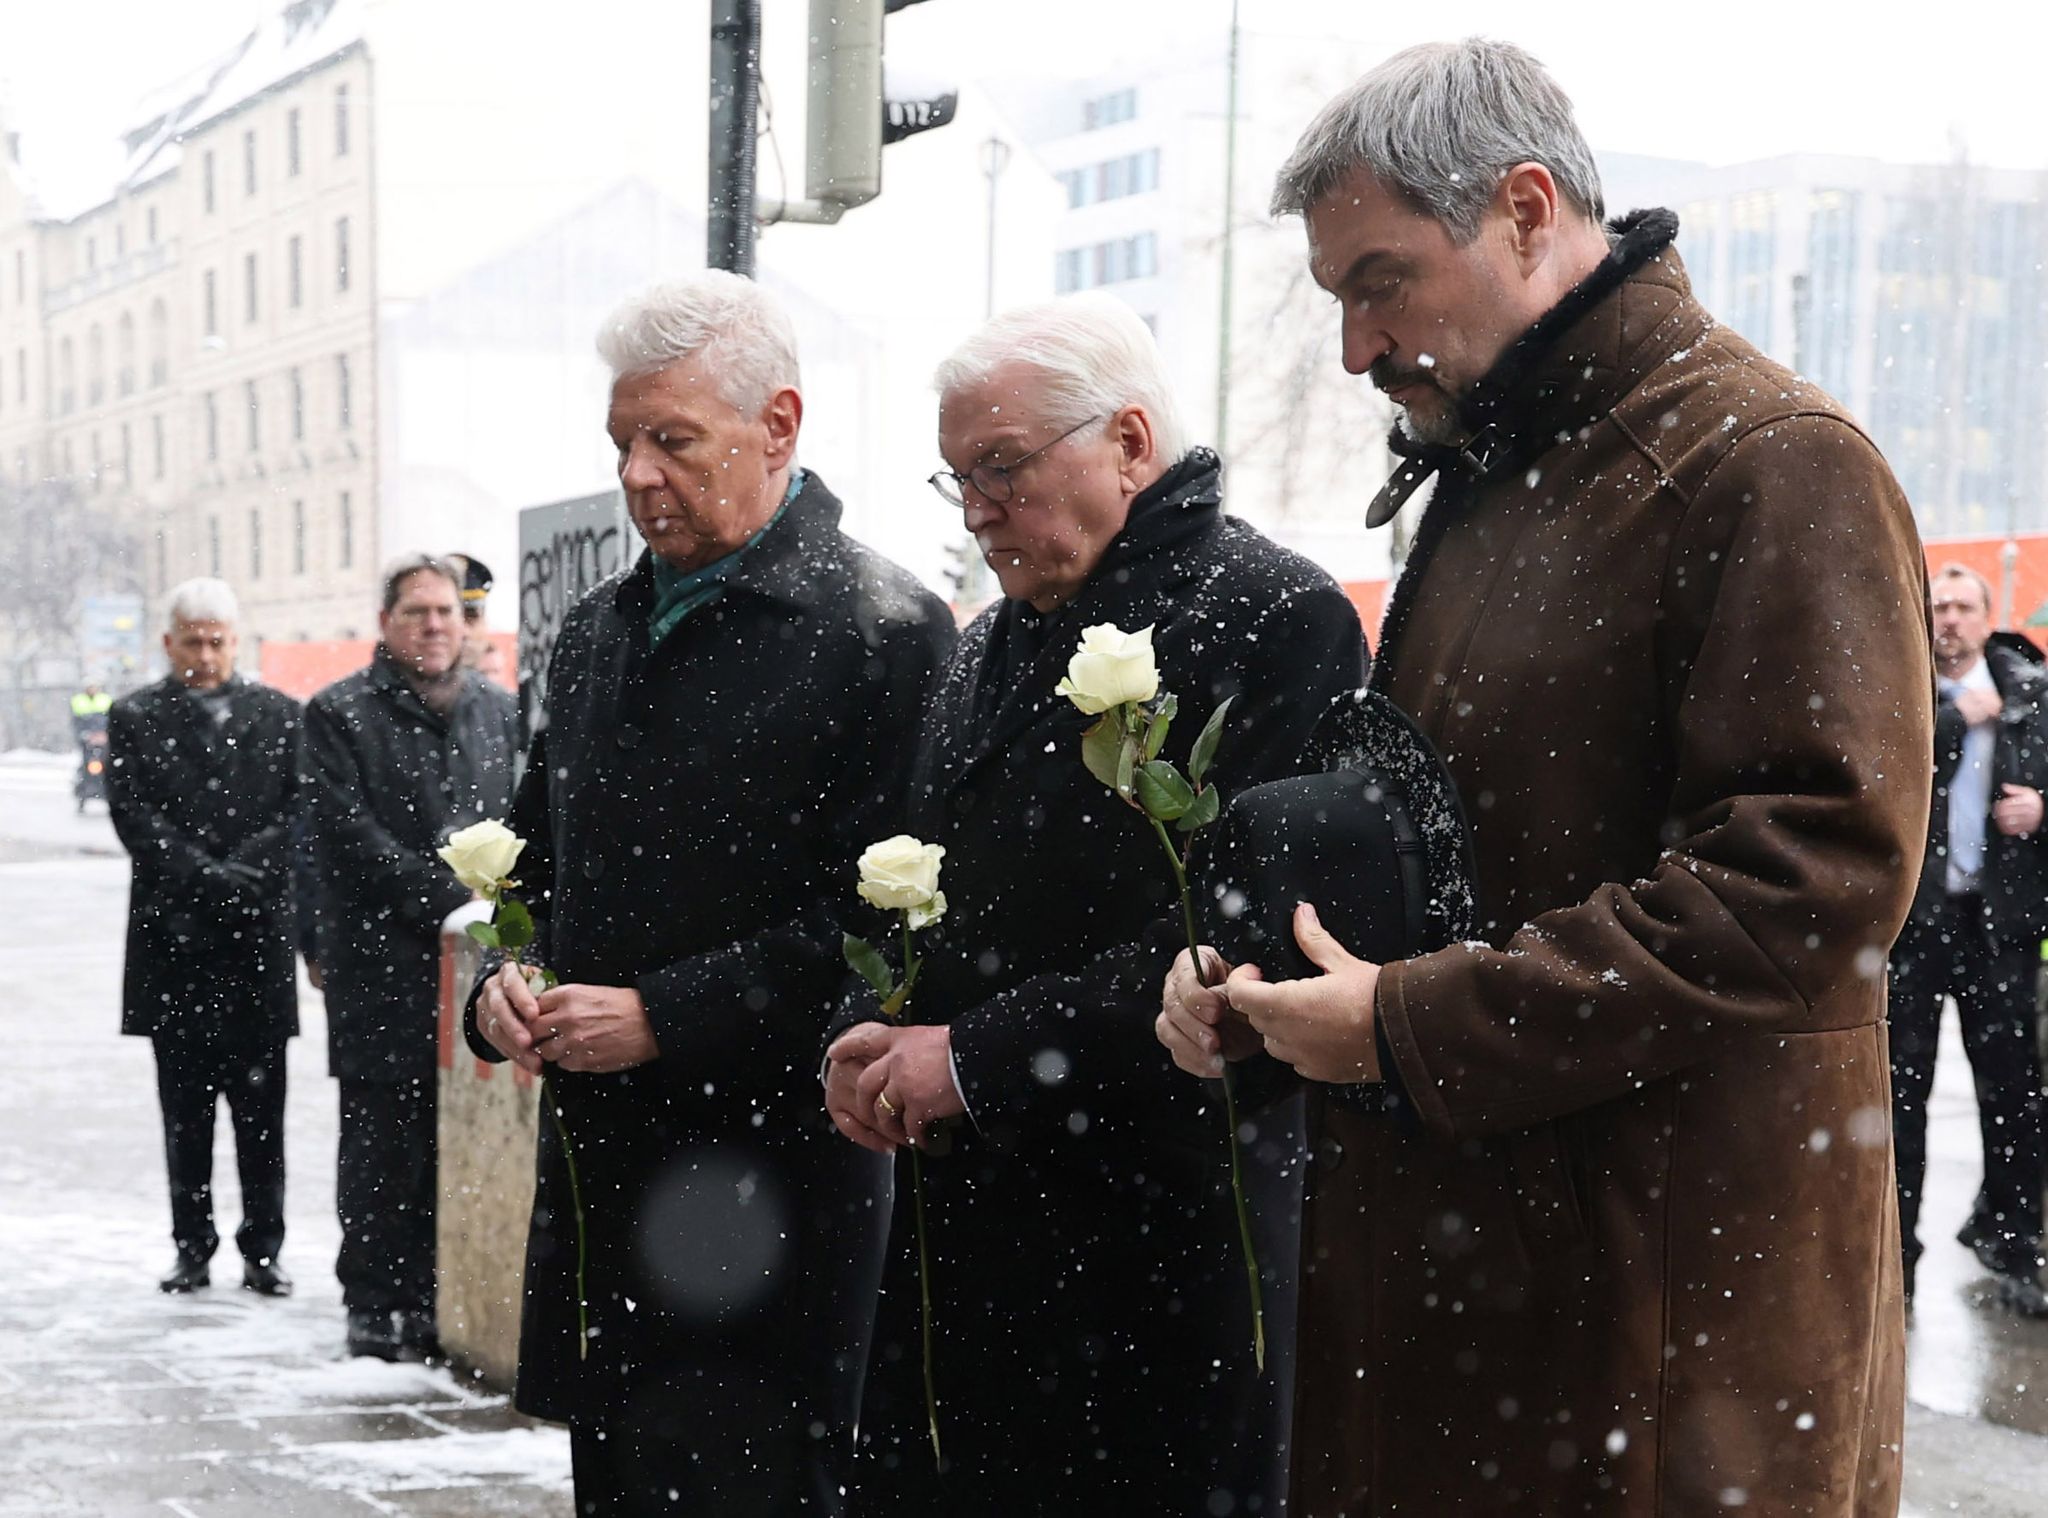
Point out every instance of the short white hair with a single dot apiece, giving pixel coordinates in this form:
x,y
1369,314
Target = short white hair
x,y
1095,355
736,329
201,600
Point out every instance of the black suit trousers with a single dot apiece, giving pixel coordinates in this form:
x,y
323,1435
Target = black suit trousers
x,y
1952,952
192,1074
385,1191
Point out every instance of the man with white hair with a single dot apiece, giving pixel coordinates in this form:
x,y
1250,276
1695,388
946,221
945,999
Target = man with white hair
x,y
727,724
1081,1241
1630,1244
202,786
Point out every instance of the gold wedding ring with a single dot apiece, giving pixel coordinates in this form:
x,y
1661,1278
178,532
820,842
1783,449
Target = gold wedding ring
x,y
886,1105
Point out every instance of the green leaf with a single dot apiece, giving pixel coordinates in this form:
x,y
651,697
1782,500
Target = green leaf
x,y
1100,746
868,964
893,1003
1162,792
1163,713
1205,745
1203,811
484,934
1126,765
514,923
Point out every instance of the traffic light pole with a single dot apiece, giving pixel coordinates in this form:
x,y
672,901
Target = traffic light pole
x,y
735,108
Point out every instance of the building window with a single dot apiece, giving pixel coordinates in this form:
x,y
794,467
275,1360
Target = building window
x,y
96,465
248,163
298,387
249,287
1106,263
255,544
1108,110
341,253
92,254
212,403
213,546
345,408
120,243
124,354
295,269
127,456
291,143
21,376
210,304
341,121
251,400
67,378
95,366
206,180
347,518
149,220
156,446
159,343
298,537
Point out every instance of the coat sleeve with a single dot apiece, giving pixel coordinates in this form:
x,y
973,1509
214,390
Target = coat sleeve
x,y
139,820
1305,650
417,889
269,849
1798,695
533,820
760,1003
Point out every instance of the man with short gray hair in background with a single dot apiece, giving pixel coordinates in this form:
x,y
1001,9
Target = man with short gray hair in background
x,y
202,785
399,755
1602,1216
728,722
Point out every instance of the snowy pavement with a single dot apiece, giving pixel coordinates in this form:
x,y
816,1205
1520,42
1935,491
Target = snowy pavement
x,y
119,1402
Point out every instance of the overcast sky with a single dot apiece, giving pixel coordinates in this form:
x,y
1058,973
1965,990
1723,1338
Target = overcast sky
x,y
1719,80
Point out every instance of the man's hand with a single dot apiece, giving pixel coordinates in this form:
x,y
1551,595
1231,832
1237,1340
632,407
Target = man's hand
x,y
595,1029
1978,706
907,1084
505,1010
1321,1026
1198,1026
847,1060
2017,813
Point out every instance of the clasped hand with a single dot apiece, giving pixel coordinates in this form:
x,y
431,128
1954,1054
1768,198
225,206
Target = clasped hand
x,y
887,1085
1322,1025
594,1029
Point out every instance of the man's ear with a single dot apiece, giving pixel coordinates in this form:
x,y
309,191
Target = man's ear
x,y
1137,447
1531,203
783,418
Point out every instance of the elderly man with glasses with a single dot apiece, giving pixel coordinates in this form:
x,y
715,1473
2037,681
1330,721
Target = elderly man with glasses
x,y
1080,1231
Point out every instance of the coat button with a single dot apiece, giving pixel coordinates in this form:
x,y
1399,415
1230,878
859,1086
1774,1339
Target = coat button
x,y
593,866
628,736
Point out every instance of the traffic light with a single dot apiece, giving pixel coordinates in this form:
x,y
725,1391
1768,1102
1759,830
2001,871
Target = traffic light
x,y
854,107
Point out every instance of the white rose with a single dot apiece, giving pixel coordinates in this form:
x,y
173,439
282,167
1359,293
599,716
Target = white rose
x,y
901,873
927,914
1110,668
482,855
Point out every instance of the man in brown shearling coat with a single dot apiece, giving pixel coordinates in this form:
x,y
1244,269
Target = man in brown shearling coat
x,y
1628,1245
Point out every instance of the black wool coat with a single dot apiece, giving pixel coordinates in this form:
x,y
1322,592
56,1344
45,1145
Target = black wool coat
x,y
209,948
2015,877
693,814
1085,1269
388,779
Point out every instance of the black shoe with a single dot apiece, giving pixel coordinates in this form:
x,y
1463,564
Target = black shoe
x,y
2022,1292
1981,1238
266,1278
189,1274
371,1333
417,1339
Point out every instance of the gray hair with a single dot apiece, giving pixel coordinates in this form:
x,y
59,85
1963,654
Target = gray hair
x,y
1440,125
201,600
1954,571
406,565
734,327
1095,354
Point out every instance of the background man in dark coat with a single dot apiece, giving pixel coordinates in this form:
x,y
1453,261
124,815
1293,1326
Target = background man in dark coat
x,y
727,726
1975,934
1662,619
1080,1245
399,755
202,785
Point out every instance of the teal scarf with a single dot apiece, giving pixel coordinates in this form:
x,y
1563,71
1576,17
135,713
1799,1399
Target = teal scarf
x,y
678,593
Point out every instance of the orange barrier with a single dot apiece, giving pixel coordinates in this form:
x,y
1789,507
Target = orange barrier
x,y
302,669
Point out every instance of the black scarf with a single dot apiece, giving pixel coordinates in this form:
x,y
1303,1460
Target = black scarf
x,y
1502,424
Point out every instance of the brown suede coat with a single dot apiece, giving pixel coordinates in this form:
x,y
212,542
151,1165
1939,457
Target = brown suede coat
x,y
1640,1254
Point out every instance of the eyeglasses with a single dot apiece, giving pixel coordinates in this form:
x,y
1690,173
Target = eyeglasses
x,y
992,481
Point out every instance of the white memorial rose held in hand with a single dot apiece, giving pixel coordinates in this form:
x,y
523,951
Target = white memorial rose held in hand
x,y
1111,668
482,856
